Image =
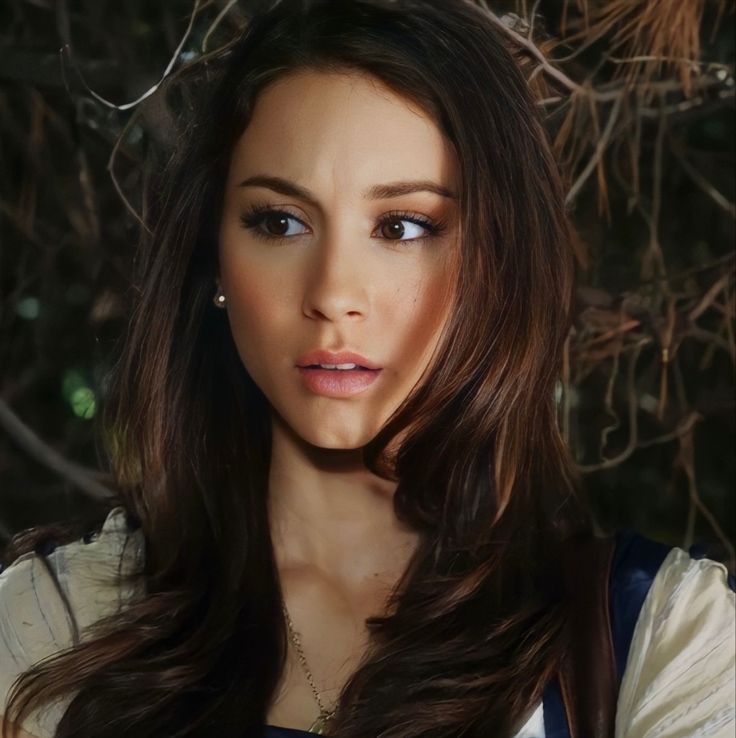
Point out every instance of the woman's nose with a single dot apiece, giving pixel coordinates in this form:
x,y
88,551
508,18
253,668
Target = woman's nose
x,y
337,283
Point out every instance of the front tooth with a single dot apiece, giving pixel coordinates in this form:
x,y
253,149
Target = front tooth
x,y
338,366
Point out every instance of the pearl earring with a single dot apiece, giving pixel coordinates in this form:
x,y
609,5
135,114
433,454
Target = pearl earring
x,y
219,298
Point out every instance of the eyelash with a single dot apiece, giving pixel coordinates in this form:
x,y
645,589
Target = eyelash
x,y
257,213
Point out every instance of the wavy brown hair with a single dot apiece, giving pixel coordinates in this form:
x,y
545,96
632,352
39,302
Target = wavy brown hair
x,y
477,625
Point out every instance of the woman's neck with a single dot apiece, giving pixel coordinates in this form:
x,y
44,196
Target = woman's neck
x,y
329,513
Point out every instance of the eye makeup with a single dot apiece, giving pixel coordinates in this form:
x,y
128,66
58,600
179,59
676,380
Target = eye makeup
x,y
259,213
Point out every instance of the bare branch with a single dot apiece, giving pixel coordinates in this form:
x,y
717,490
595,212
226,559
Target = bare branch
x,y
66,49
76,474
599,151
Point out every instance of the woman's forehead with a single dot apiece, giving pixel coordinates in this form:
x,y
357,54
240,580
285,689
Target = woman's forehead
x,y
345,129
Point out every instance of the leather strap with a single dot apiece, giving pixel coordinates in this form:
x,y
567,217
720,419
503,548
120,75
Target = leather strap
x,y
587,674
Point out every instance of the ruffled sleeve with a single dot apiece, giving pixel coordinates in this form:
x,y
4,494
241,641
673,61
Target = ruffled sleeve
x,y
35,621
680,677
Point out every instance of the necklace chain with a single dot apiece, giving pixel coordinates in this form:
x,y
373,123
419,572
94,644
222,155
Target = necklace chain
x,y
324,714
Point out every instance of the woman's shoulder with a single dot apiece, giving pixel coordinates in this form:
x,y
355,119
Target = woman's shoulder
x,y
83,574
47,601
680,672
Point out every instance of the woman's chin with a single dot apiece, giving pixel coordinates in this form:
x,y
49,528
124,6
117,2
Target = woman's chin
x,y
344,439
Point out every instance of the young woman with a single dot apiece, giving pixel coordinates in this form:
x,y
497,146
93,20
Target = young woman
x,y
344,503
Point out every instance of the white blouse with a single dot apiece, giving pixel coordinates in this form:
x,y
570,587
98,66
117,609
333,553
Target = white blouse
x,y
679,682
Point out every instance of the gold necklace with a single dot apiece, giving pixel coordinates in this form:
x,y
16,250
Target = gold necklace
x,y
319,725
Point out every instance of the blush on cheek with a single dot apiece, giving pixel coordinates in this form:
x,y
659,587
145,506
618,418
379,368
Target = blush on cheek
x,y
259,326
431,312
250,296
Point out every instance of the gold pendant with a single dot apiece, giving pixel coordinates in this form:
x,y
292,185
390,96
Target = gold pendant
x,y
319,725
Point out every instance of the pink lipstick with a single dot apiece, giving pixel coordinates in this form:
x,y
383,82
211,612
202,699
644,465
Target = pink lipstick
x,y
336,374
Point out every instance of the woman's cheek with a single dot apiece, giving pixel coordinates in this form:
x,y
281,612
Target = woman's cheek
x,y
251,312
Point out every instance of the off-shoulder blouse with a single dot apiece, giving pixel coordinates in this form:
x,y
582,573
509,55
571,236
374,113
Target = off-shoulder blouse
x,y
679,679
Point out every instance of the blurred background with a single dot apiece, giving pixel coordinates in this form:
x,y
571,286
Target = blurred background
x,y
639,101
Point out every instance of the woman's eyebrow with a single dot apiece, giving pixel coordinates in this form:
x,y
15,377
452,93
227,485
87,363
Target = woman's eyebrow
x,y
377,192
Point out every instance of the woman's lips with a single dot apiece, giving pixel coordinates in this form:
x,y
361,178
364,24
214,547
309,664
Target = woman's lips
x,y
337,382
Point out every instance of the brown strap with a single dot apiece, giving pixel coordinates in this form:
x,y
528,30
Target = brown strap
x,y
587,674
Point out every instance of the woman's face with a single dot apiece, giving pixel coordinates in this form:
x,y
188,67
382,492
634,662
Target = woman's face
x,y
344,264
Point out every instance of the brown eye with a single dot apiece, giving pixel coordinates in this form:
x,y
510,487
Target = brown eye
x,y
279,222
392,228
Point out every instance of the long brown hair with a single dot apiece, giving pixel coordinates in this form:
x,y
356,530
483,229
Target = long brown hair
x,y
477,624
